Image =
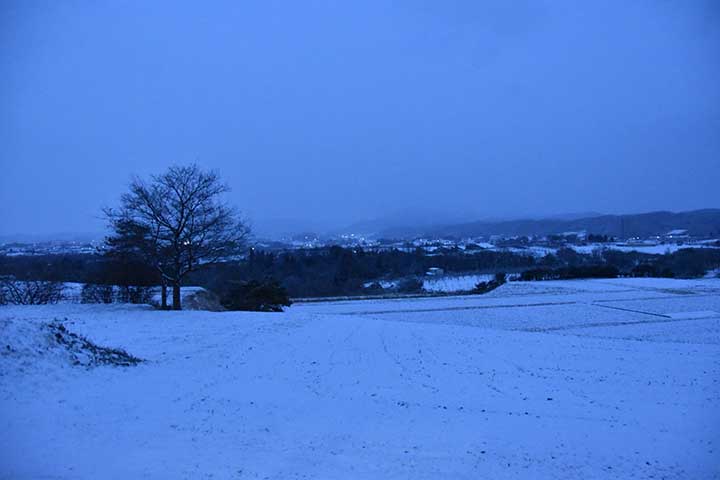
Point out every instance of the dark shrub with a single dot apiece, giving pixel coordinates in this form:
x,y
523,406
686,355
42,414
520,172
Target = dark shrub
x,y
538,274
92,293
576,272
650,270
484,287
134,294
256,296
374,288
690,262
410,285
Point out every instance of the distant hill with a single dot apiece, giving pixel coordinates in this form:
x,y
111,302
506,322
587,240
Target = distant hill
x,y
698,223
416,220
78,237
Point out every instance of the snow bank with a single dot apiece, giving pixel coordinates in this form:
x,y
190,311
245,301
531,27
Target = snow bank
x,y
459,283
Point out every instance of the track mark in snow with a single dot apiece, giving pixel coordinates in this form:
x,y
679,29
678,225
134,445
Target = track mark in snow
x,y
693,315
448,309
645,299
667,319
631,310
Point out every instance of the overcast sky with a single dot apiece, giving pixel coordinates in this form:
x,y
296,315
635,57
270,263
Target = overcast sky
x,y
339,111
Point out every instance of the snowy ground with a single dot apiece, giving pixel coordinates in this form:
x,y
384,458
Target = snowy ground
x,y
568,379
658,249
454,283
650,248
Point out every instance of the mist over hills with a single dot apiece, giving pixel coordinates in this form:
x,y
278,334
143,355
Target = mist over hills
x,y
417,220
704,222
414,224
77,237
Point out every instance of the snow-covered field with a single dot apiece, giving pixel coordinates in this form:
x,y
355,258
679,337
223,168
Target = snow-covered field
x,y
650,248
567,379
658,249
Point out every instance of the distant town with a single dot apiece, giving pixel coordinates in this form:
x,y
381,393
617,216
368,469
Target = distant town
x,y
534,245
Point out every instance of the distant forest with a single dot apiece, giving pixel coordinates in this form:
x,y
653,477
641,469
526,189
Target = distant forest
x,y
336,271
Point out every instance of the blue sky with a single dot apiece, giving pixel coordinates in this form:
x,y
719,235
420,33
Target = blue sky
x,y
333,112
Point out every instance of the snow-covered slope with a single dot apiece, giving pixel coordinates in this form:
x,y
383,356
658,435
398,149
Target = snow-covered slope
x,y
454,283
570,379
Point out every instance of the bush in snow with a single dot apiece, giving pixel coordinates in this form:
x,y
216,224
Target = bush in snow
x,y
650,270
484,287
265,296
134,294
374,288
92,293
33,292
410,285
574,272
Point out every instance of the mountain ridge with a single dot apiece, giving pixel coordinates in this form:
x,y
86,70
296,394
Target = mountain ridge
x,y
703,222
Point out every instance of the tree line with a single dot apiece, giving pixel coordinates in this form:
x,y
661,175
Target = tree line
x,y
176,229
339,271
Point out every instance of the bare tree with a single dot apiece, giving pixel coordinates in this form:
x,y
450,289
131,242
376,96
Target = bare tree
x,y
177,222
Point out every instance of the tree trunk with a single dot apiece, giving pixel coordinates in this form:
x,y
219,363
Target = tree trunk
x,y
176,296
163,295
